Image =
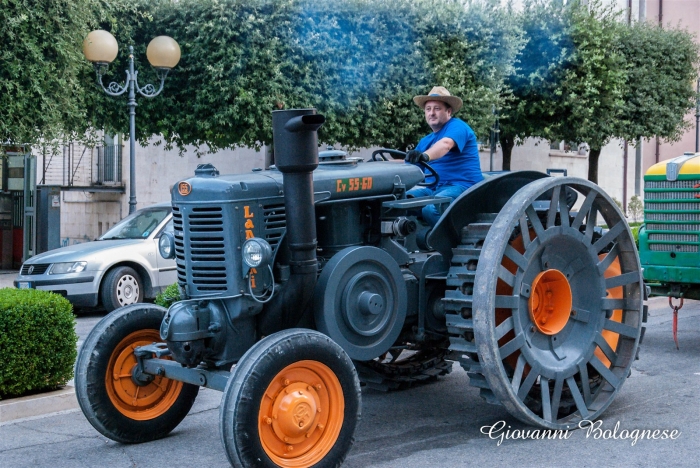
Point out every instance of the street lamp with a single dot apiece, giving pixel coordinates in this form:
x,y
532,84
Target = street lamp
x,y
163,53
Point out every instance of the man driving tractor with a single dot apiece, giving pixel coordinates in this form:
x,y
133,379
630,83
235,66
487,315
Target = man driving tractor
x,y
451,149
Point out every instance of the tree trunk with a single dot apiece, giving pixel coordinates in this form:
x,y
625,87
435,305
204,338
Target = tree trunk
x,y
593,156
507,144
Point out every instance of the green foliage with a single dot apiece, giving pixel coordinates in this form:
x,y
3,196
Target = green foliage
x,y
45,88
359,62
37,341
569,79
618,203
635,208
661,68
170,295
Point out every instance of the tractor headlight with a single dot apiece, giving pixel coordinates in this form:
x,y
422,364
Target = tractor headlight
x,y
256,252
68,267
166,245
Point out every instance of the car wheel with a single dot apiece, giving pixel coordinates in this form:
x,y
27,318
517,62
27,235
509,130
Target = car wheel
x,y
122,286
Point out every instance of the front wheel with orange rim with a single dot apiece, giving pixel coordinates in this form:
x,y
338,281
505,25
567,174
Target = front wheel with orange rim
x,y
293,400
558,303
120,404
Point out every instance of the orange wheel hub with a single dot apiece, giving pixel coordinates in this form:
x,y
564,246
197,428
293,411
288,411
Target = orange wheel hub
x,y
301,414
550,302
138,402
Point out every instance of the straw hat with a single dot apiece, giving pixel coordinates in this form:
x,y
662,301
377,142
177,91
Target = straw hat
x,y
439,93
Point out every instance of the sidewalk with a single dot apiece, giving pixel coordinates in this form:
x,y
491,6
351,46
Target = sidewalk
x,y
7,277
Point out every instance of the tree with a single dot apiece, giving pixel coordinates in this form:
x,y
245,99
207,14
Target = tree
x,y
591,86
531,95
661,66
42,69
359,62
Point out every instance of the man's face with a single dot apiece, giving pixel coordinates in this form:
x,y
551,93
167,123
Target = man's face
x,y
437,113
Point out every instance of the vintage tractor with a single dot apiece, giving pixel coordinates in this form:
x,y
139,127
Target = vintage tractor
x,y
669,245
300,278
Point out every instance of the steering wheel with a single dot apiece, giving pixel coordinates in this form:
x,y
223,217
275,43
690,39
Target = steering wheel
x,y
381,155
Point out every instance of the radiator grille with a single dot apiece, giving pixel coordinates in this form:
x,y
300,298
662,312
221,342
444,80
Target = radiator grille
x,y
673,206
37,269
672,248
673,227
652,196
681,229
672,217
205,256
666,184
673,237
275,223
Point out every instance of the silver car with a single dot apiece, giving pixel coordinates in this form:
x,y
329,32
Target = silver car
x,y
121,267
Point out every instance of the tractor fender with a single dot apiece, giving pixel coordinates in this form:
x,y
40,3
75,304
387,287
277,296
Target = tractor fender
x,y
488,196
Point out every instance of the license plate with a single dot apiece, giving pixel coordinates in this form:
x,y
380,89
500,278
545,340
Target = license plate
x,y
24,285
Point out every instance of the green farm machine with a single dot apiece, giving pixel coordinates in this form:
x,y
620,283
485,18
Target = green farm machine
x,y
302,282
668,240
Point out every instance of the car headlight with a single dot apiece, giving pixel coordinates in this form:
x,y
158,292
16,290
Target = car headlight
x,y
67,267
166,245
256,252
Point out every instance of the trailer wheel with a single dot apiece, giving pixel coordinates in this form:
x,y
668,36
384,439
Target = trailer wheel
x,y
552,318
115,403
293,400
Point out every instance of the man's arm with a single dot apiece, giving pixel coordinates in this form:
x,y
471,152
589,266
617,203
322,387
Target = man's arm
x,y
440,148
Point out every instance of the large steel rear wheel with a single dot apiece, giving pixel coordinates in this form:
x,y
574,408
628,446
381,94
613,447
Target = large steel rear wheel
x,y
549,310
293,400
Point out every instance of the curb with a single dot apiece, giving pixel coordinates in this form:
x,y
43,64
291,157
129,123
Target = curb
x,y
38,405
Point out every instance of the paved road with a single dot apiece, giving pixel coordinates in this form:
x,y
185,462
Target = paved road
x,y
436,425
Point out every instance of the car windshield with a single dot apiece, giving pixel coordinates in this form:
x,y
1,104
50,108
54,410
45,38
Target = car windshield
x,y
138,225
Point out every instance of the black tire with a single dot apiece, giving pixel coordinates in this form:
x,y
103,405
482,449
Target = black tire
x,y
256,373
104,347
121,286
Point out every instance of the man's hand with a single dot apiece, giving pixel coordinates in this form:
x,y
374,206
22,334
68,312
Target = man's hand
x,y
414,157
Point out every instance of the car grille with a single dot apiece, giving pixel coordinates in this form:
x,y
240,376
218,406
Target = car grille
x,y
37,268
205,263
672,215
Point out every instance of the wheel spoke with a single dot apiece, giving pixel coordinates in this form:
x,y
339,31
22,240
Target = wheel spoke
x,y
504,327
534,221
512,346
605,372
518,373
563,208
506,276
585,384
528,383
507,302
607,350
620,328
608,260
525,231
591,221
609,236
585,210
614,304
622,280
516,257
546,402
556,396
553,206
578,399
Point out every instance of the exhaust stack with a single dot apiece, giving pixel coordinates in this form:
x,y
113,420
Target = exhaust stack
x,y
296,156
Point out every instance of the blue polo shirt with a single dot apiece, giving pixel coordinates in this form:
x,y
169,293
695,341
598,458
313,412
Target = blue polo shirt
x,y
460,166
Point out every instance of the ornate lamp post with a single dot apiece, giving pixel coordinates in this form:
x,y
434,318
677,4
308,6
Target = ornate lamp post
x,y
163,53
